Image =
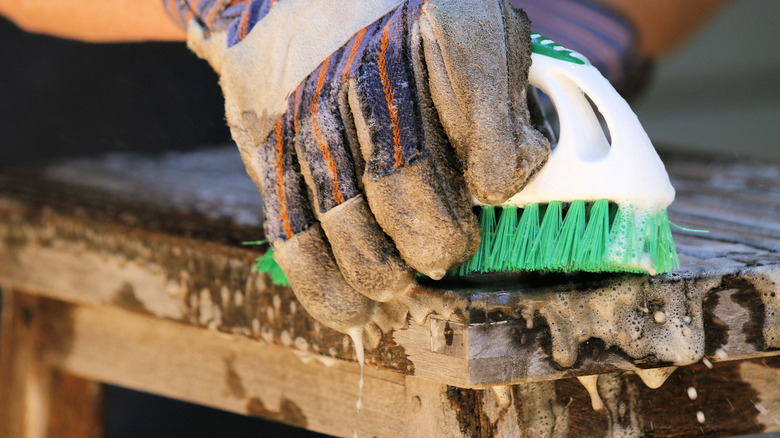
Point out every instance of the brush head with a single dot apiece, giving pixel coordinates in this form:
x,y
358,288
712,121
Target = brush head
x,y
576,236
596,205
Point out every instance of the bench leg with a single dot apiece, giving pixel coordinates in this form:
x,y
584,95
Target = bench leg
x,y
36,400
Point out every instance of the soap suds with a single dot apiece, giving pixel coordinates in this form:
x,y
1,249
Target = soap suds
x,y
655,377
591,385
613,314
503,396
620,310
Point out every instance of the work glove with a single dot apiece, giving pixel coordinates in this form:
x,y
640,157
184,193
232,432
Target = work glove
x,y
368,125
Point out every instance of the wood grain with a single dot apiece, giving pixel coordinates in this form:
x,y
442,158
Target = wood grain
x,y
188,363
144,283
37,398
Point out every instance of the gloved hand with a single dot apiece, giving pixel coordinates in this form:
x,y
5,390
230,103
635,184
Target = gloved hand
x,y
368,125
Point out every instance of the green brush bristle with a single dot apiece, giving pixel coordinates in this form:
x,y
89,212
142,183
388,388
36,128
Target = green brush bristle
x,y
549,231
568,244
266,263
525,237
578,236
557,237
595,240
660,244
624,230
504,237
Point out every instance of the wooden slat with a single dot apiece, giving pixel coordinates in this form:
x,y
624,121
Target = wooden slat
x,y
75,407
81,245
188,363
36,399
131,250
21,379
230,373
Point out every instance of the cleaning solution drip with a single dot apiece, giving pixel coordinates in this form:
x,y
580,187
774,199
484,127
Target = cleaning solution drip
x,y
591,385
356,334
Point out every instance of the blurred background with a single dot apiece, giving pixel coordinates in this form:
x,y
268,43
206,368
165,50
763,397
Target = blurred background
x,y
717,94
720,91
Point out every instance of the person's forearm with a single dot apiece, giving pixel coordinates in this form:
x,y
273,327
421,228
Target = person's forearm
x,y
94,20
662,24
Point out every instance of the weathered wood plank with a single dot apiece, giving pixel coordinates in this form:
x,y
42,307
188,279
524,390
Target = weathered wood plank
x,y
231,373
83,245
149,248
22,396
206,285
75,407
188,363
36,400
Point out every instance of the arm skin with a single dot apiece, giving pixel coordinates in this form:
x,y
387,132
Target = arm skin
x,y
99,21
662,24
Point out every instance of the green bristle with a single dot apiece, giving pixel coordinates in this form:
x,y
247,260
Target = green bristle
x,y
266,263
659,243
592,253
597,236
525,237
504,240
569,240
487,220
624,230
481,259
548,235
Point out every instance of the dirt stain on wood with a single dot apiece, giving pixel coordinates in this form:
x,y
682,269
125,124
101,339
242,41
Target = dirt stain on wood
x,y
723,396
468,406
235,387
749,299
288,412
717,330
388,354
125,298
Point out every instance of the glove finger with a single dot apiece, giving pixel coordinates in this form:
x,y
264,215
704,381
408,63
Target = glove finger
x,y
409,180
365,254
315,278
287,210
299,245
478,71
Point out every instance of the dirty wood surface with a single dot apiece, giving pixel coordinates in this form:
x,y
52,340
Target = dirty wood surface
x,y
158,238
135,350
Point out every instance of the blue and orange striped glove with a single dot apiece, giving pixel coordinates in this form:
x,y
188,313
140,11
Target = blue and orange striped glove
x,y
368,125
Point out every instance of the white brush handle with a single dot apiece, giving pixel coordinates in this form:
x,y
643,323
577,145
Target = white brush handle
x,y
583,165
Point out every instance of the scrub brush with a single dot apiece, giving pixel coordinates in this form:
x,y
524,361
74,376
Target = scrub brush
x,y
593,206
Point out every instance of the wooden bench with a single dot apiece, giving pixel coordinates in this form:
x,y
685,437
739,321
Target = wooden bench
x,y
129,270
